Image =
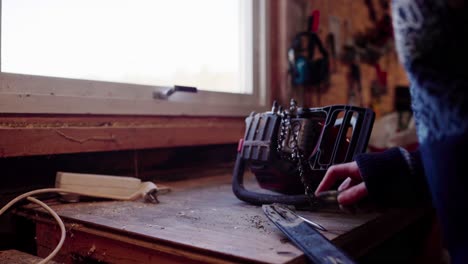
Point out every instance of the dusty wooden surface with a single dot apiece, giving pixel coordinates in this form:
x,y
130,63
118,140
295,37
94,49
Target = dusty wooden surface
x,y
17,257
203,218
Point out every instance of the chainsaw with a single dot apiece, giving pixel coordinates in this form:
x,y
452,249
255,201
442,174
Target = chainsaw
x,y
289,150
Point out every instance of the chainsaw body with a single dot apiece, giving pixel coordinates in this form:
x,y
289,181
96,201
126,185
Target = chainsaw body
x,y
324,136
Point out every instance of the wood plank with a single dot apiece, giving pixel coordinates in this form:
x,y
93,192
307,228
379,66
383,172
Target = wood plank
x,y
25,136
89,245
204,216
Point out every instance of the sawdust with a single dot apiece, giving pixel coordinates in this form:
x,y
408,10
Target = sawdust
x,y
156,123
189,217
91,250
156,226
258,222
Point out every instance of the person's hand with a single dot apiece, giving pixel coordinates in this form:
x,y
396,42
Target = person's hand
x,y
352,190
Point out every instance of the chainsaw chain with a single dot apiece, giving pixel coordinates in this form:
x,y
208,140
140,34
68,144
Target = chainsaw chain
x,y
296,157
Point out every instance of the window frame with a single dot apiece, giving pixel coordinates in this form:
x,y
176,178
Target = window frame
x,y
21,93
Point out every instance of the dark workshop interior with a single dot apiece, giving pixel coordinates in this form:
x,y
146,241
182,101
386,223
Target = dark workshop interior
x,y
213,131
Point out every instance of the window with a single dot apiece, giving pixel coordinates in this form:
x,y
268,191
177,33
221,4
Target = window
x,y
109,56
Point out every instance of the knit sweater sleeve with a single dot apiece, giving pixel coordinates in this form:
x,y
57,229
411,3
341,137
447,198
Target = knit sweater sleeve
x,y
431,41
394,178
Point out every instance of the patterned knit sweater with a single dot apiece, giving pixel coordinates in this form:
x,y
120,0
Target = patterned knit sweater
x,y
432,42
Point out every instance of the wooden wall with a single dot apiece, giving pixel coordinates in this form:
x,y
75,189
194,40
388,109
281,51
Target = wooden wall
x,y
289,17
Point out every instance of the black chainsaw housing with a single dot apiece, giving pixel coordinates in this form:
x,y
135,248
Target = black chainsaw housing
x,y
326,136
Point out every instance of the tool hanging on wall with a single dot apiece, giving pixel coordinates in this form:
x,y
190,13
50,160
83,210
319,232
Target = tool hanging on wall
x,y
377,40
289,150
350,58
333,56
333,39
306,70
378,88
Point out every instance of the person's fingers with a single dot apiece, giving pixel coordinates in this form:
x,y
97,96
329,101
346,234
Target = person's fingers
x,y
348,183
338,172
345,184
353,194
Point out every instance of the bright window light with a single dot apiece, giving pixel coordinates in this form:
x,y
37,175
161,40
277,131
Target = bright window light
x,y
202,43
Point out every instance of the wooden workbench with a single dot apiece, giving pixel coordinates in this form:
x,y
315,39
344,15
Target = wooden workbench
x,y
199,221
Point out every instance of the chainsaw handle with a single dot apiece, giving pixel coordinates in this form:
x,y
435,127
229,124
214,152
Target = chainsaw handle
x,y
260,198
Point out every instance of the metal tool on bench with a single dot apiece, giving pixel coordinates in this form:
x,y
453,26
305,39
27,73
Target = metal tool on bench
x,y
289,150
314,245
312,223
